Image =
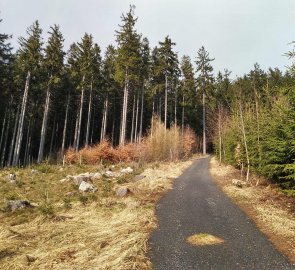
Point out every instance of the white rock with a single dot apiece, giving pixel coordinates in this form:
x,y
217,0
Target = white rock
x,y
86,187
97,175
109,174
122,191
238,183
14,205
127,170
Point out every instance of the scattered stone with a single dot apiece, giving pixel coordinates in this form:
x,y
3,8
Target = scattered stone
x,y
71,194
96,176
122,191
11,177
127,170
13,205
138,177
110,174
86,187
238,183
34,171
31,258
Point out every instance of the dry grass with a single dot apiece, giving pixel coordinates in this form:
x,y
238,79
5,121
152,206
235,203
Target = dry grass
x,y
107,233
160,144
204,239
270,209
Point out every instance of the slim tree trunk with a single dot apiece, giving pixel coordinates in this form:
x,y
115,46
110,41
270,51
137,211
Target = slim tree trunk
x,y
258,126
89,115
141,112
80,116
219,133
182,117
104,119
124,111
52,135
166,100
136,120
12,143
27,149
65,126
204,126
244,139
44,124
175,107
19,136
76,129
132,122
5,141
2,132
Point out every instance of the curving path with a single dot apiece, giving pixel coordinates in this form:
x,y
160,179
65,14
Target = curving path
x,y
197,205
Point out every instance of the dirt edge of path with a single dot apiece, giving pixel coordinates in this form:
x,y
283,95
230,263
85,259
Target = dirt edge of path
x,y
272,211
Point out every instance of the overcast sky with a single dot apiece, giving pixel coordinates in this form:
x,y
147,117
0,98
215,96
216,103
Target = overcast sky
x,y
237,33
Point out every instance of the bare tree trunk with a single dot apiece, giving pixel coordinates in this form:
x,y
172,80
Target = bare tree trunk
x,y
5,140
52,135
113,131
27,143
175,107
80,116
258,126
132,122
19,136
136,120
89,115
44,124
244,139
166,100
104,119
3,128
124,111
204,126
141,112
65,126
76,129
182,117
12,143
219,133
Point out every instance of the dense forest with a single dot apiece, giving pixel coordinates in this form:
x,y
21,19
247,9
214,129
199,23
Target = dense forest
x,y
51,100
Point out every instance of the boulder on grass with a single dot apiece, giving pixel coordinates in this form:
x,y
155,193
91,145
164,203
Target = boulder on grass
x,y
96,176
138,177
122,191
238,183
11,177
127,170
13,205
86,187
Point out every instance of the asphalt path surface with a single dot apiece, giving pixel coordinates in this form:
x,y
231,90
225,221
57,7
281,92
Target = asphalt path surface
x,y
197,205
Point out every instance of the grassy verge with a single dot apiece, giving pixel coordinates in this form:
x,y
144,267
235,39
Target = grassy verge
x,y
272,211
71,230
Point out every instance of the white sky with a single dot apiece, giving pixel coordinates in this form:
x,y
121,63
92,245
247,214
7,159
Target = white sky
x,y
237,33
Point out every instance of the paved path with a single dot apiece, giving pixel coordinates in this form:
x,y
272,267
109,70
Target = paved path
x,y
197,205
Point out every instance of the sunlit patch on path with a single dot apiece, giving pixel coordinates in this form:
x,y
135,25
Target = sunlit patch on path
x,y
203,239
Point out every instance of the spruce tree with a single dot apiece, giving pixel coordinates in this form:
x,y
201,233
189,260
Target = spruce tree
x,y
29,60
204,83
53,63
127,63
